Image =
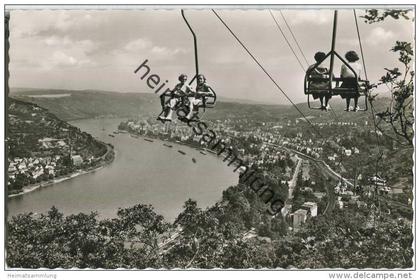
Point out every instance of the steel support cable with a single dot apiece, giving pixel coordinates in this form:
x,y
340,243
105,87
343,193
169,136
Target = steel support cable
x,y
291,48
380,154
300,49
335,115
294,38
268,74
364,67
287,41
360,44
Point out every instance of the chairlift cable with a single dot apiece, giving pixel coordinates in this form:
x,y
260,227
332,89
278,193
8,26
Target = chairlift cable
x,y
380,153
360,43
265,71
294,38
335,115
287,41
294,53
364,67
298,45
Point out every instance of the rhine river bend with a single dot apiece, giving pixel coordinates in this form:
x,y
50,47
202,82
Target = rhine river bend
x,y
142,172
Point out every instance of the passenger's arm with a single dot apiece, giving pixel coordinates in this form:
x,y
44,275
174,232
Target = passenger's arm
x,y
343,70
308,72
211,92
205,93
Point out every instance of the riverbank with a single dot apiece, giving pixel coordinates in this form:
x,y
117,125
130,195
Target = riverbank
x,y
106,159
141,173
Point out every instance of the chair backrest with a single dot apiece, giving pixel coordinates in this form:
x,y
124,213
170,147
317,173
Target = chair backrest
x,y
209,101
319,73
362,85
316,84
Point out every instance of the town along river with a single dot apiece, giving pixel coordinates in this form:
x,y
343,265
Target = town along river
x,y
142,172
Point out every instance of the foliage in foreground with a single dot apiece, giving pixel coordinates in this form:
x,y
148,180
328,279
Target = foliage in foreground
x,y
231,234
399,115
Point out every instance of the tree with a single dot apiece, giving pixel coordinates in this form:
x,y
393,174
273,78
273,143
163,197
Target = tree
x,y
51,241
401,83
190,214
200,239
353,238
374,15
141,228
399,116
248,254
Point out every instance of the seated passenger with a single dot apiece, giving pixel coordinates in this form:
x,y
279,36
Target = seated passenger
x,y
181,90
202,91
352,82
319,89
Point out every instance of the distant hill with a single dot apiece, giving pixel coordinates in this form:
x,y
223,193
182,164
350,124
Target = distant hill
x,y
71,104
39,146
80,104
27,123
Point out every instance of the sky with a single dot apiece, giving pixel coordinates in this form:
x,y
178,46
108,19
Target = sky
x,y
88,49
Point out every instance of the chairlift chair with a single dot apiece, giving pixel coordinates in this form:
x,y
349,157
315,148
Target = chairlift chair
x,y
207,101
333,82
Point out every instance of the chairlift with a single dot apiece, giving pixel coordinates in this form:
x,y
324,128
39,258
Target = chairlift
x,y
208,100
334,83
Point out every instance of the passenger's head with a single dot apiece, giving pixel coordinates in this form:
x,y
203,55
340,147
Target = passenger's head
x,y
182,78
201,79
352,56
319,56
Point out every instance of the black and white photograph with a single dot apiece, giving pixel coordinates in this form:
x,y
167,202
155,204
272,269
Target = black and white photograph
x,y
200,137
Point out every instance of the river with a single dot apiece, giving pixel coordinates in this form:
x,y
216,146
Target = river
x,y
142,172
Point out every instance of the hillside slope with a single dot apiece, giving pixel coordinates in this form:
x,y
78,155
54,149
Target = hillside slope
x,y
40,146
71,105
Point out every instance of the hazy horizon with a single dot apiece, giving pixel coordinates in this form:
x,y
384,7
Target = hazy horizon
x,y
99,50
